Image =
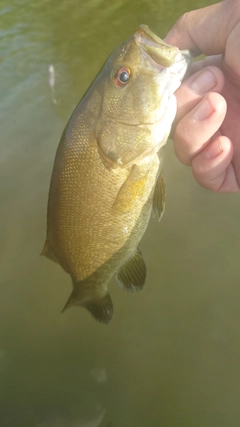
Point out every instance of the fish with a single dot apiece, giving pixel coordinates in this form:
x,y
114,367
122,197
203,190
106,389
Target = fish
x,y
107,176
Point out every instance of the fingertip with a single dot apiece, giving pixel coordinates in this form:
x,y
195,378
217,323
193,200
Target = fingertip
x,y
204,80
212,108
220,145
195,129
209,79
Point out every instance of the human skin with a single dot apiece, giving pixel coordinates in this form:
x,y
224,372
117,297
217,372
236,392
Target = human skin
x,y
206,131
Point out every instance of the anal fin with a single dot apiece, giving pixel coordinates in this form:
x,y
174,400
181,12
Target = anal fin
x,y
132,274
159,197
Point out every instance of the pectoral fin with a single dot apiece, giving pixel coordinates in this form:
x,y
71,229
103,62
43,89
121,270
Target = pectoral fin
x,y
132,189
159,197
132,273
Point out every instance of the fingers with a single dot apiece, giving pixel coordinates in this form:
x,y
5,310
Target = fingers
x,y
193,89
199,113
199,143
212,167
197,127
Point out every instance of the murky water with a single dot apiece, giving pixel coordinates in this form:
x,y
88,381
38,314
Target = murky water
x,y
170,356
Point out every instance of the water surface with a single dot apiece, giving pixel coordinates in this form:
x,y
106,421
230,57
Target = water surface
x,y
170,356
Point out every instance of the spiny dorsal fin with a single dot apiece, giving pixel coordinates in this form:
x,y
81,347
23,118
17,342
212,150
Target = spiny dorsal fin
x,y
132,273
159,197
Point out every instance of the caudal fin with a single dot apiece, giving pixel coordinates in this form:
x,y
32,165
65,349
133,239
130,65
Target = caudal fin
x,y
101,308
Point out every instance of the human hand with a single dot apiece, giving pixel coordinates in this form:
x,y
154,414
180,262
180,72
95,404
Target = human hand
x,y
206,131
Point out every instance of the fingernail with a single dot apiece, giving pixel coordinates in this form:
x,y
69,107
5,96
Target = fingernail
x,y
213,150
204,82
203,111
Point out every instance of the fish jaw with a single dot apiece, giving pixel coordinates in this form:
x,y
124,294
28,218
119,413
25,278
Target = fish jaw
x,y
170,65
160,51
162,54
169,62
170,78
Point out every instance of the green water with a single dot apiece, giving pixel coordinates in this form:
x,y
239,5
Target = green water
x,y
170,356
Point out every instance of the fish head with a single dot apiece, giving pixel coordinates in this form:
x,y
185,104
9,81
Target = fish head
x,y
138,105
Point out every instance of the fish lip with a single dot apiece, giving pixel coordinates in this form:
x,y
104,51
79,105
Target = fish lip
x,y
144,34
159,53
169,62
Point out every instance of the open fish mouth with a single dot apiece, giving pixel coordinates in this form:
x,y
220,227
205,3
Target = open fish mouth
x,y
169,62
161,55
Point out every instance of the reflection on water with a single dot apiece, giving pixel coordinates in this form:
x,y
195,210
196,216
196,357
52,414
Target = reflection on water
x,y
170,357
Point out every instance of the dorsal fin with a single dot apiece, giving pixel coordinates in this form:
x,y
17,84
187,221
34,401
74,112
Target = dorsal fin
x,y
132,274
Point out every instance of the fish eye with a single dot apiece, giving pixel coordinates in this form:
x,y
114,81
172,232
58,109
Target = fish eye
x,y
122,76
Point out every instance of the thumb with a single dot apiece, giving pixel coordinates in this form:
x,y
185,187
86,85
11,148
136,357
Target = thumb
x,y
205,30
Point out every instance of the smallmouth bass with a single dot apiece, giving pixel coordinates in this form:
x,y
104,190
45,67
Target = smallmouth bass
x,y
107,178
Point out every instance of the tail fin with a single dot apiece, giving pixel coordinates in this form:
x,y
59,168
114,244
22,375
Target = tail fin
x,y
101,307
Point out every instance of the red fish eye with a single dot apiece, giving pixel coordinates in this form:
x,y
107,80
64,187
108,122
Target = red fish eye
x,y
122,76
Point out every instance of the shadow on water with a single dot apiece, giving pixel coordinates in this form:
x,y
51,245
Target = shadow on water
x,y
170,356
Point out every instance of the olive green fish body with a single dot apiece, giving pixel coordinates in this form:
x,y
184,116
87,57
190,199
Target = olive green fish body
x,y
90,226
107,175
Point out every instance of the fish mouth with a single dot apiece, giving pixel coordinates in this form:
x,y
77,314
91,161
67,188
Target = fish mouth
x,y
169,62
160,54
